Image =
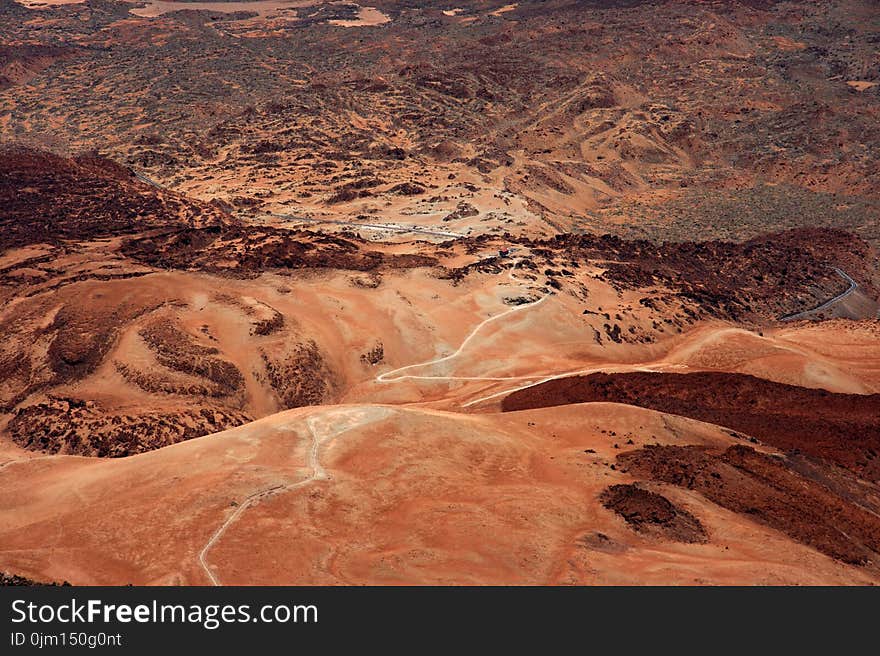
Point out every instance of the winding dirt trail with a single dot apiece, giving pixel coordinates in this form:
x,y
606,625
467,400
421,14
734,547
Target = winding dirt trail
x,y
322,427
395,375
234,516
327,424
532,380
317,474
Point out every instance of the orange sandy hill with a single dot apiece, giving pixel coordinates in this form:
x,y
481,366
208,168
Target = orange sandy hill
x,y
288,320
380,494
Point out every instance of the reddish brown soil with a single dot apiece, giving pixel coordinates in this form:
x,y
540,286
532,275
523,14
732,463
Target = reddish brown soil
x,y
302,377
247,251
20,63
82,428
653,514
178,351
763,278
13,579
841,428
45,198
79,336
769,490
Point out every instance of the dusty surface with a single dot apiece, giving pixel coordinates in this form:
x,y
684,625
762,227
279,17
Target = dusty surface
x,y
535,117
649,512
814,509
285,286
406,496
840,428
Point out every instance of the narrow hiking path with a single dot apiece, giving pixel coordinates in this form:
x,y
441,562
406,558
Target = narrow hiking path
x,y
397,375
531,380
318,473
322,427
16,461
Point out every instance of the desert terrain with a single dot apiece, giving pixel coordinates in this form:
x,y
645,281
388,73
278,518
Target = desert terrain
x,y
543,293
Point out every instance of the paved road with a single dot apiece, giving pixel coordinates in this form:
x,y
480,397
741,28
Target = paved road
x,y
143,178
853,286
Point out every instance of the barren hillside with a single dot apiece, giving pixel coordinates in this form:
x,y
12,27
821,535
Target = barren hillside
x,y
299,292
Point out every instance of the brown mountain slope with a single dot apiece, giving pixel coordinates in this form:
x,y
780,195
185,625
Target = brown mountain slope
x,y
840,428
46,198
